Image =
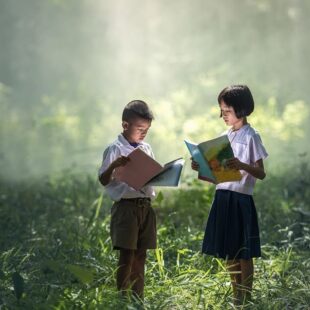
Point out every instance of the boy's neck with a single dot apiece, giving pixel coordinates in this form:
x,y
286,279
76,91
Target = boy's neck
x,y
130,142
243,121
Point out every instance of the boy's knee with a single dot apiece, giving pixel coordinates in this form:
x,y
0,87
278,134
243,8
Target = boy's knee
x,y
126,257
140,255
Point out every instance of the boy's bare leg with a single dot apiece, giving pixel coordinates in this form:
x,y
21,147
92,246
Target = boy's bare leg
x,y
137,272
234,270
126,258
247,272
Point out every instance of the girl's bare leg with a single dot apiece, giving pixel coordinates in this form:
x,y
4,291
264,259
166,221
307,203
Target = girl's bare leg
x,y
234,270
247,272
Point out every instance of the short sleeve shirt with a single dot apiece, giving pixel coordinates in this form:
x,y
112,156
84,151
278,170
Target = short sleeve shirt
x,y
248,148
115,189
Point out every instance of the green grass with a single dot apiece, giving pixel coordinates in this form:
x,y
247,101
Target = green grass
x,y
56,251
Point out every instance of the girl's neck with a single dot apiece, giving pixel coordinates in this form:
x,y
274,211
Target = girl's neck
x,y
243,121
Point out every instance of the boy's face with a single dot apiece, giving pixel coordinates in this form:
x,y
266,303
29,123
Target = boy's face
x,y
229,115
136,129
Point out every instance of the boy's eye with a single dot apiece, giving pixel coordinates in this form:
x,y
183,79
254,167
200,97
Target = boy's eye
x,y
142,130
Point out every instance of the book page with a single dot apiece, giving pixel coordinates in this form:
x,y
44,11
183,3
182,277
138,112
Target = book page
x,y
216,152
170,175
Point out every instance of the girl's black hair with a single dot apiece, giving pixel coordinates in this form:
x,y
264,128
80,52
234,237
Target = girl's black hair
x,y
137,108
239,97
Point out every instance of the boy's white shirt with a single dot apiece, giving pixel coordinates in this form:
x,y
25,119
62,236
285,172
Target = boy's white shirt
x,y
248,148
117,190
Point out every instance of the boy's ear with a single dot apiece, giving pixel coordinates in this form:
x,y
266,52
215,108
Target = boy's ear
x,y
125,125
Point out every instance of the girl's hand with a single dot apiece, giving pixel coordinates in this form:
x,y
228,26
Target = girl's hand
x,y
194,165
120,161
234,163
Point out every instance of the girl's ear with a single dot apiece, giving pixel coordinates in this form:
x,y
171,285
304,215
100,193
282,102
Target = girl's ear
x,y
125,125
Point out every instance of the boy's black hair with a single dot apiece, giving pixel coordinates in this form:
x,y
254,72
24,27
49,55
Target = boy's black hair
x,y
239,97
137,108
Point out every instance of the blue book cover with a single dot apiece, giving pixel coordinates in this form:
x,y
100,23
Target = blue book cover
x,y
170,175
204,172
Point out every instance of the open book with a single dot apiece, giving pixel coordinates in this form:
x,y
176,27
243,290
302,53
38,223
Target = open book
x,y
143,170
212,156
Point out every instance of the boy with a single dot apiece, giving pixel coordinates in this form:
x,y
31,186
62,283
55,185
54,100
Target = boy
x,y
133,220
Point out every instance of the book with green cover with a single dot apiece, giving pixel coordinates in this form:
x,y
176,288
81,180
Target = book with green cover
x,y
212,156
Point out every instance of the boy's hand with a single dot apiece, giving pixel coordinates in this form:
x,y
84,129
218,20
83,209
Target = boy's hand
x,y
120,161
234,163
105,177
194,165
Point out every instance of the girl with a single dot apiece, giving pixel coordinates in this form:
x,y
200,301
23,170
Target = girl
x,y
232,229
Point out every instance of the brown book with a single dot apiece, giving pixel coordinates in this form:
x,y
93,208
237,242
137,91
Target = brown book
x,y
143,170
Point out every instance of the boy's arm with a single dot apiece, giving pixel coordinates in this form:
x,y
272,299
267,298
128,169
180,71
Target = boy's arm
x,y
105,176
257,171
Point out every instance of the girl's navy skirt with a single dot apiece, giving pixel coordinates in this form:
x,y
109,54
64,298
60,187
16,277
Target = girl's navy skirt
x,y
232,229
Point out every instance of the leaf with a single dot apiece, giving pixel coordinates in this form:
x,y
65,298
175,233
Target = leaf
x,y
18,283
159,198
51,265
2,274
84,275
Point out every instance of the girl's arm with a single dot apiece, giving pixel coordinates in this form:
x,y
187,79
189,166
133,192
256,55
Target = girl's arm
x,y
105,177
257,171
194,165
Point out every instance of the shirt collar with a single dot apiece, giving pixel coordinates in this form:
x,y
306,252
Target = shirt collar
x,y
122,139
244,127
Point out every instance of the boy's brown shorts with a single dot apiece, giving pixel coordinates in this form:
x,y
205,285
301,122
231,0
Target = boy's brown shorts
x,y
133,224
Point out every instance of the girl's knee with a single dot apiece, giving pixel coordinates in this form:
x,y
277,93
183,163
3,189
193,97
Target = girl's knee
x,y
233,264
247,262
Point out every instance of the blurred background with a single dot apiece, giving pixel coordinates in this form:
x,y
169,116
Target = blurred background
x,y
68,67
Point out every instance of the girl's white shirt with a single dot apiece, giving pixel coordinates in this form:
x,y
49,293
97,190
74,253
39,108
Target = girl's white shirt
x,y
248,148
115,189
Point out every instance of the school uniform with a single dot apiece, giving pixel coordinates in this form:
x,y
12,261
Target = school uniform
x,y
232,230
133,220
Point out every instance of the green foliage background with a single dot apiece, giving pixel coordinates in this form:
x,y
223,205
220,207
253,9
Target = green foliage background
x,y
67,68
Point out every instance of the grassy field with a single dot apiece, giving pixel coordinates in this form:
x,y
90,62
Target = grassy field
x,y
56,251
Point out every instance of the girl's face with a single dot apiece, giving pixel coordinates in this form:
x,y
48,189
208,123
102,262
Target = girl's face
x,y
229,116
136,129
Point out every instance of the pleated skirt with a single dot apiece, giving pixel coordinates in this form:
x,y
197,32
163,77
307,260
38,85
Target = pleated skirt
x,y
232,230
